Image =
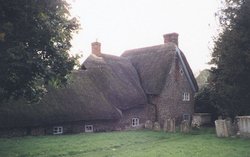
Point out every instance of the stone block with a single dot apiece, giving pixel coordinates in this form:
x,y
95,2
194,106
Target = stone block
x,y
200,119
185,126
157,126
148,124
223,128
243,124
169,125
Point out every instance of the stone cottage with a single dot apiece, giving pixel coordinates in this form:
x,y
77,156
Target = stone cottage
x,y
111,93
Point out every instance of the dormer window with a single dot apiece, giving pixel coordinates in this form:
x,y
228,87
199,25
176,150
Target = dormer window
x,y
186,96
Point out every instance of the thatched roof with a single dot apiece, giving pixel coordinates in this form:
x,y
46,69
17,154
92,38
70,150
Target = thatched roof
x,y
154,63
105,87
79,100
118,79
108,86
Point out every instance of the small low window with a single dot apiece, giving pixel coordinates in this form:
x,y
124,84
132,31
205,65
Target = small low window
x,y
57,130
89,128
186,96
186,117
135,122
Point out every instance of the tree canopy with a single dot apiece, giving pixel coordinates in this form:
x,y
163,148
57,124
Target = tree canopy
x,y
231,57
34,44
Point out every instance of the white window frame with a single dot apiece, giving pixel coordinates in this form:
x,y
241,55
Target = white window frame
x,y
135,122
186,96
57,130
89,128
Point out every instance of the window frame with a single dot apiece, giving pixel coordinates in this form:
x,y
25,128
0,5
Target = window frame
x,y
186,115
135,122
86,128
186,96
57,130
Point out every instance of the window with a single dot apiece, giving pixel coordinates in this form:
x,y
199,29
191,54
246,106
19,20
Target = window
x,y
135,122
186,96
57,130
89,128
186,117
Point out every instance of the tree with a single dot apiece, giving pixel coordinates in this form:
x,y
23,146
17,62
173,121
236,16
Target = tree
x,y
34,43
231,57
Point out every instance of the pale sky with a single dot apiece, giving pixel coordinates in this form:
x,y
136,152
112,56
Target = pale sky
x,y
121,25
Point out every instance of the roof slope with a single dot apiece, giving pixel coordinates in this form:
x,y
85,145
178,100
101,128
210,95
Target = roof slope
x,y
153,65
188,71
109,85
79,100
117,77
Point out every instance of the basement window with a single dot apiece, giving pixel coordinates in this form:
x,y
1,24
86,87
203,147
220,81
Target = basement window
x,y
89,128
57,130
135,122
186,96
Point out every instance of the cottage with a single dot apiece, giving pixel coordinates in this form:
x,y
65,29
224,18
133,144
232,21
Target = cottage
x,y
111,93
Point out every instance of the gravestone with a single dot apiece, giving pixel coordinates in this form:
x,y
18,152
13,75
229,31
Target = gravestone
x,y
185,126
169,125
222,128
157,126
148,124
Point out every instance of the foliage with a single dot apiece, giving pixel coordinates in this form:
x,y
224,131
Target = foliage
x,y
203,77
231,57
126,144
34,43
205,98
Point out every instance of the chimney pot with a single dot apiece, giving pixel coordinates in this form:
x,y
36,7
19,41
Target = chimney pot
x,y
96,48
171,37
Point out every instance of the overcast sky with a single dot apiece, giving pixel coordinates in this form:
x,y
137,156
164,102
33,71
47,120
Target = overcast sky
x,y
127,24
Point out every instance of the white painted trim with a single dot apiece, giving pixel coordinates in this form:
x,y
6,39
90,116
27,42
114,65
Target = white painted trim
x,y
186,96
89,128
57,130
135,122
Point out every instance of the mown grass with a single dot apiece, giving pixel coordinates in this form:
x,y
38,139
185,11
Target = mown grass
x,y
126,144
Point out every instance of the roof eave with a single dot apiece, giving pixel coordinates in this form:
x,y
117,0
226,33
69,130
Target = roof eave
x,y
191,82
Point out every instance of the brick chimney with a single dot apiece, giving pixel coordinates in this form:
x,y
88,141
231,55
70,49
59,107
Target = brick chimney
x,y
171,37
96,48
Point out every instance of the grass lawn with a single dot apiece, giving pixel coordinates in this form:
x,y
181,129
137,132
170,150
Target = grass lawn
x,y
125,144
